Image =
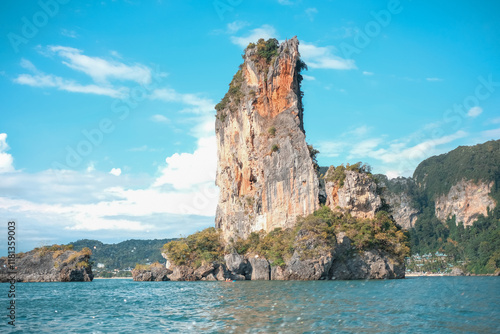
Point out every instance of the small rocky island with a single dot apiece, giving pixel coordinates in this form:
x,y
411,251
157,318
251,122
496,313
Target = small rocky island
x,y
278,216
56,263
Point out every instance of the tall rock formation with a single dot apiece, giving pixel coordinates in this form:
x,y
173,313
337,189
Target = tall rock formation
x,y
265,173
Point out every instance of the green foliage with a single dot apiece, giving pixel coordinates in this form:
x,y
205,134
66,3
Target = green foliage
x,y
197,249
57,249
337,174
233,95
275,148
267,49
478,246
124,254
83,264
251,45
313,154
436,175
315,234
271,131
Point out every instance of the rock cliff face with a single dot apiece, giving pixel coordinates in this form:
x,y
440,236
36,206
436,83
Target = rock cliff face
x,y
398,194
466,200
357,195
50,266
265,173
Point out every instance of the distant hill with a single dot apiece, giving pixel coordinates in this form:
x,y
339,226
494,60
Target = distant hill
x,y
124,254
452,205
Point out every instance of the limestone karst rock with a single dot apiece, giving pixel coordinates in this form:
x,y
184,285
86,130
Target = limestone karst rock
x,y
265,173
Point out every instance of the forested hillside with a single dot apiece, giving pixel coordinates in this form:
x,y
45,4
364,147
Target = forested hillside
x,y
124,254
476,246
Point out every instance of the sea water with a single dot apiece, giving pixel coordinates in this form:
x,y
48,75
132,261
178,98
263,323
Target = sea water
x,y
412,305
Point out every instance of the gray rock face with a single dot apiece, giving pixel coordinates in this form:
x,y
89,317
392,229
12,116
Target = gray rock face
x,y
36,266
157,274
457,272
349,264
400,199
265,173
261,270
306,270
182,273
358,195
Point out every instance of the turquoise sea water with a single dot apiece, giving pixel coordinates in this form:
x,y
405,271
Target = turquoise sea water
x,y
413,305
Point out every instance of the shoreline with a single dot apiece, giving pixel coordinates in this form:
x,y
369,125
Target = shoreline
x,y
113,278
438,275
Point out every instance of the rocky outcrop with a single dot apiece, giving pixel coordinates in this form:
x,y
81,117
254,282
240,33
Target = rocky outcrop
x,y
308,262
42,265
371,264
466,200
156,273
265,173
357,194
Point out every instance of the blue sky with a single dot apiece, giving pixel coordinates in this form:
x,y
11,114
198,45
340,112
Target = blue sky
x,y
106,111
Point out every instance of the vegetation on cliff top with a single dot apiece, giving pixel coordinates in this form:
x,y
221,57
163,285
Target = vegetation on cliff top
x,y
312,236
337,174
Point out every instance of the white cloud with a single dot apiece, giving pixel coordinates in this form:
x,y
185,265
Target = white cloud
x,y
266,31
368,73
308,77
102,70
491,134
90,167
331,148
321,57
495,120
474,112
198,105
433,79
359,131
49,80
115,171
160,119
6,159
40,79
285,2
311,12
186,170
69,33
236,26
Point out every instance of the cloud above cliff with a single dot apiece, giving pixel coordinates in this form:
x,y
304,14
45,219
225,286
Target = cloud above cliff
x,y
316,57
265,31
6,159
395,158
